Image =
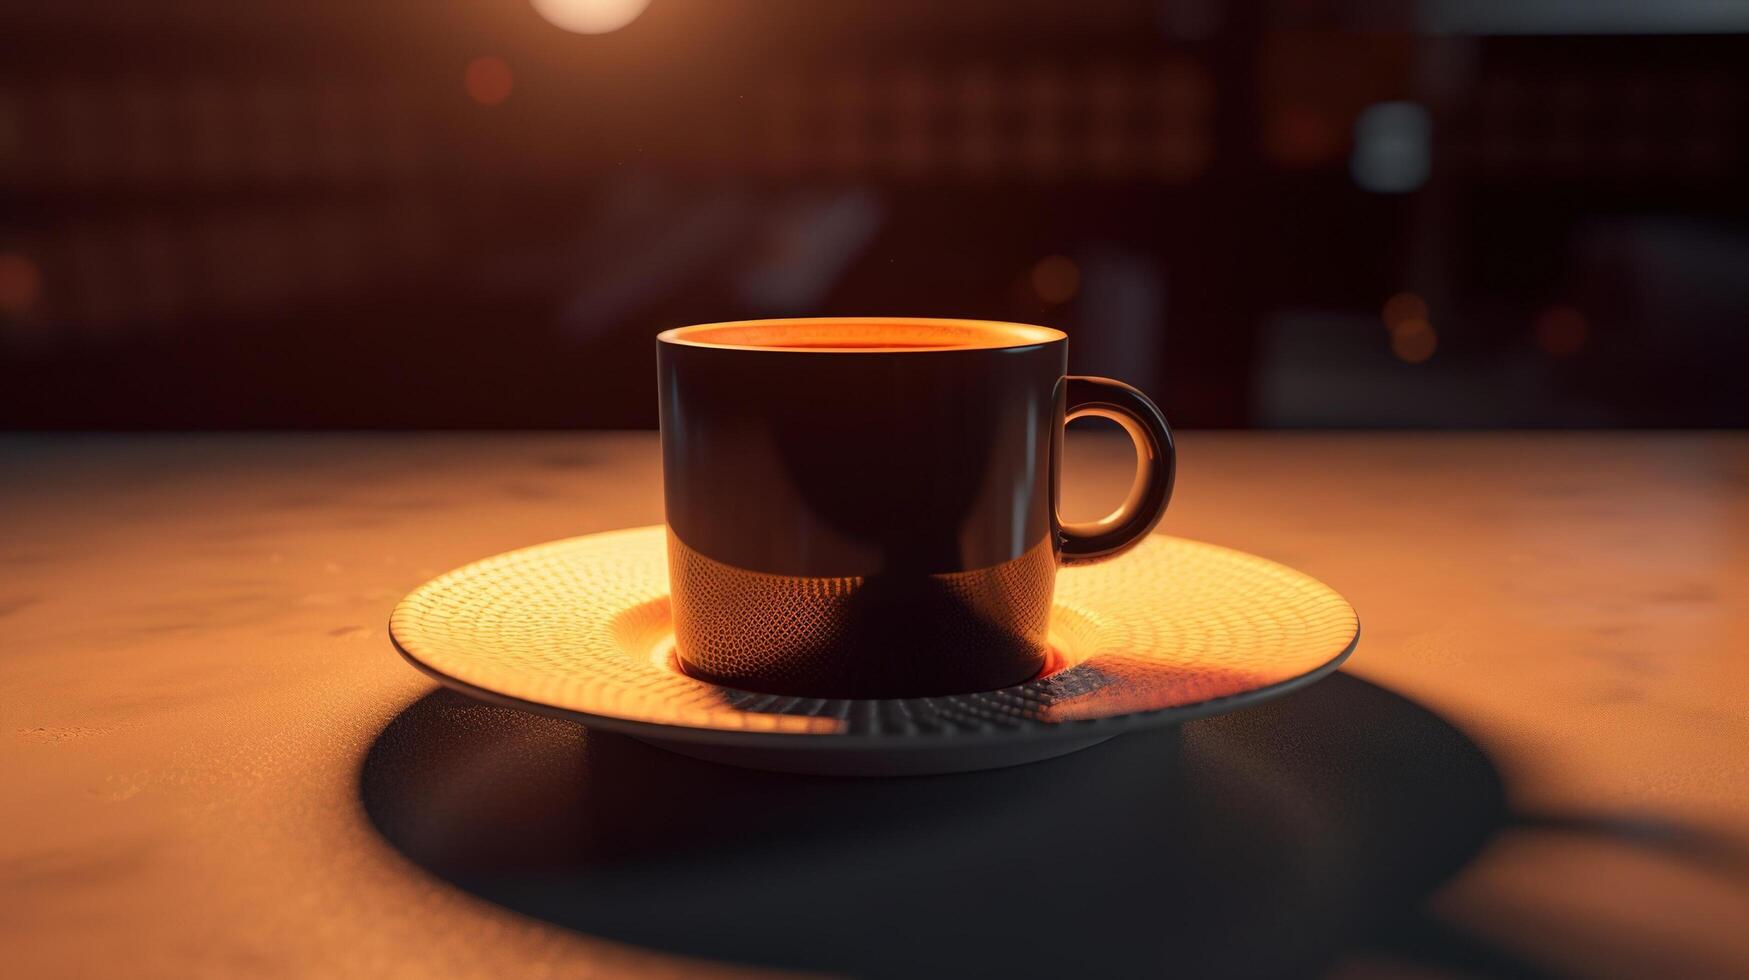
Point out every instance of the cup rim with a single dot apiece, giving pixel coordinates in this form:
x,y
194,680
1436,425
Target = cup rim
x,y
998,334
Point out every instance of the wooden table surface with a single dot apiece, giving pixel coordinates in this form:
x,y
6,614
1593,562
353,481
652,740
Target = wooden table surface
x,y
195,682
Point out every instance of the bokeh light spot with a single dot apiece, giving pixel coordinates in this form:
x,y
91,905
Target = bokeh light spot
x,y
1056,278
20,283
1403,307
1414,340
590,16
1561,331
488,80
1392,147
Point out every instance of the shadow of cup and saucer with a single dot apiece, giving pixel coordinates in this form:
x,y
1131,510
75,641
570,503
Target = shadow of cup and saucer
x,y
1265,842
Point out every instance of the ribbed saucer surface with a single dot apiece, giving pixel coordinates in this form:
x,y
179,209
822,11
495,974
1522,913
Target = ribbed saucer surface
x,y
1172,630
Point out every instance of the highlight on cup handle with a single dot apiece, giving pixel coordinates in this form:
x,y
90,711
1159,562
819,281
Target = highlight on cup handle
x,y
1156,463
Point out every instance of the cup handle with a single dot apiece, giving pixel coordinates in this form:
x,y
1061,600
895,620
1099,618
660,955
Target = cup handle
x,y
1156,462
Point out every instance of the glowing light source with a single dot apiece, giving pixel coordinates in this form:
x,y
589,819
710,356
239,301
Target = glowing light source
x,y
1414,340
20,283
488,80
590,16
1561,331
1056,278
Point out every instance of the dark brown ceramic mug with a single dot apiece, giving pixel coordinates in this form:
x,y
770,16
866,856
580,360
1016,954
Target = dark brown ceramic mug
x,y
867,507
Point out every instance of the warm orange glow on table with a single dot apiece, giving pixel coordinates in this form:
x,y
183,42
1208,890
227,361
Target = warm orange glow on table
x,y
196,666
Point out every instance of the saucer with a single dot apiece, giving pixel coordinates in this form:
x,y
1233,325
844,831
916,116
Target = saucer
x,y
1170,631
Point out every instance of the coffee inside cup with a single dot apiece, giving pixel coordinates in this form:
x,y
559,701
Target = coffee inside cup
x,y
874,334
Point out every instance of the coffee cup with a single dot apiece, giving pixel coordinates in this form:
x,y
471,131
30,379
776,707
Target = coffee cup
x,y
867,507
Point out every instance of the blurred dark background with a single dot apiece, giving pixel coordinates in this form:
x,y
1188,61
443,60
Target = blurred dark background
x,y
327,213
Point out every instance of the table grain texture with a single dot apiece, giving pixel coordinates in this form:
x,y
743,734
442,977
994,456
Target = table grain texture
x,y
197,693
